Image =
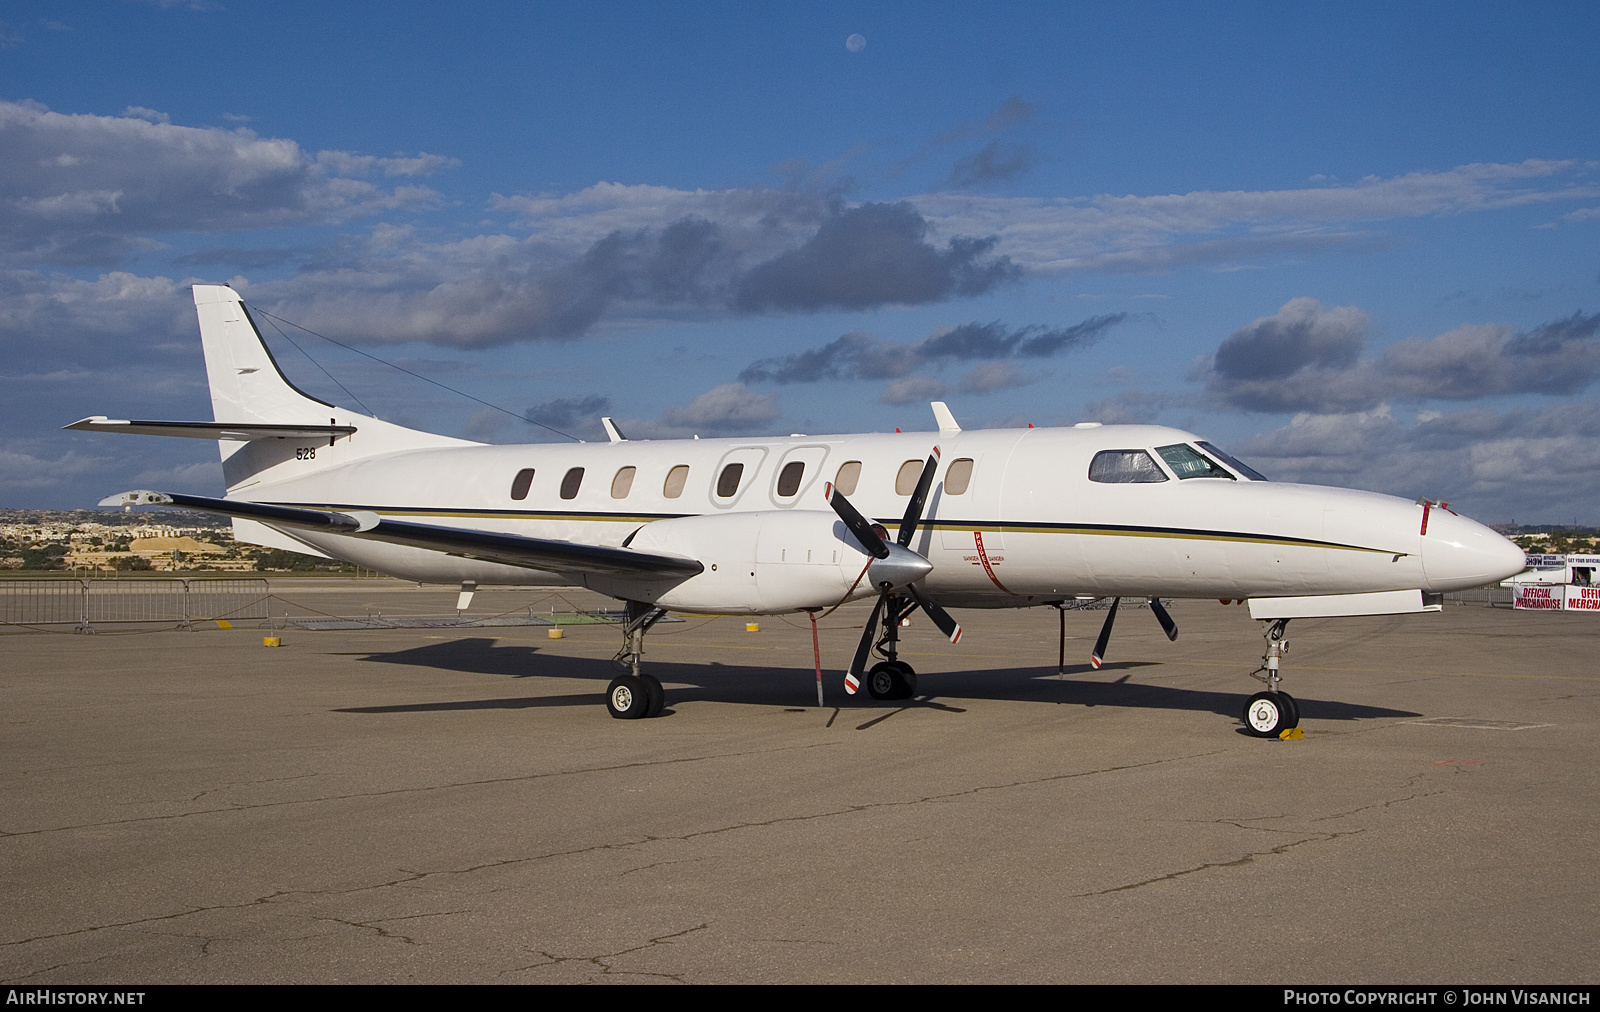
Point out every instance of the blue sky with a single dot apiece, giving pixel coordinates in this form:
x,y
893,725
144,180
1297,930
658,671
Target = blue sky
x,y
1358,244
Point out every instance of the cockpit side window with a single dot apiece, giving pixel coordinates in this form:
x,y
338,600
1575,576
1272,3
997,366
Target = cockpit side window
x,y
1187,462
1233,462
1121,467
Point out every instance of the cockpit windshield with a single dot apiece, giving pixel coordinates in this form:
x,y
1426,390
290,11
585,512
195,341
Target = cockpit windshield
x,y
1234,462
1187,462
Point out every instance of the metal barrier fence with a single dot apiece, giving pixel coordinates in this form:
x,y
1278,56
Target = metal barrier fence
x,y
1490,597
82,603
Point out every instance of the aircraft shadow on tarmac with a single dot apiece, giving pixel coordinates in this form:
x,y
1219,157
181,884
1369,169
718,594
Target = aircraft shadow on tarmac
x,y
768,686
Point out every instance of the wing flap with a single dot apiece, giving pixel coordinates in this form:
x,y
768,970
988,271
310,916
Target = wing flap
x,y
489,546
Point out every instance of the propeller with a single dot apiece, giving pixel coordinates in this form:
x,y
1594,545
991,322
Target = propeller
x,y
894,567
1167,626
1105,635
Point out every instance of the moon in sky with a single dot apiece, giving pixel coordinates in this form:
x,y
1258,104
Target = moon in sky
x,y
856,43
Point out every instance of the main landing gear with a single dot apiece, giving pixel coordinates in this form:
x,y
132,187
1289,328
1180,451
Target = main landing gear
x,y
893,678
636,694
1269,713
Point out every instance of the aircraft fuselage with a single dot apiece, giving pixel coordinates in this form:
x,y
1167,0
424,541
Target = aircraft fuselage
x,y
1030,526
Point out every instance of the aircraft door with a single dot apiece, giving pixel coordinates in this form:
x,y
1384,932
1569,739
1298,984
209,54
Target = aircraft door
x,y
797,474
735,474
969,515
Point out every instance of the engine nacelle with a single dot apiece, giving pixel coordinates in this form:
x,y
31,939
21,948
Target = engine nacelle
x,y
756,563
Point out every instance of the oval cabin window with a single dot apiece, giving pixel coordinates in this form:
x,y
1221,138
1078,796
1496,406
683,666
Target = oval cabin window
x,y
622,484
521,483
789,478
570,483
849,474
728,480
958,477
676,478
905,482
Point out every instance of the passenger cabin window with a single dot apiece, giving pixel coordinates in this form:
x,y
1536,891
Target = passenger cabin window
x,y
1124,467
521,483
849,474
728,480
1187,462
622,484
905,482
1234,462
570,483
958,477
675,481
789,478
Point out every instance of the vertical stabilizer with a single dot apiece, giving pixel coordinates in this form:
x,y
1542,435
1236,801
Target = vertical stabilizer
x,y
248,388
246,384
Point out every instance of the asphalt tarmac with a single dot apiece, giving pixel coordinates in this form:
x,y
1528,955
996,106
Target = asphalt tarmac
x,y
455,805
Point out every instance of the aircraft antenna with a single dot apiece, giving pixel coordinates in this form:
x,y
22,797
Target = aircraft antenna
x,y
408,372
319,365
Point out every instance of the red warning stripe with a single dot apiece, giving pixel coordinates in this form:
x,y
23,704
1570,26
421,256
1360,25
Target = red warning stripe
x,y
983,557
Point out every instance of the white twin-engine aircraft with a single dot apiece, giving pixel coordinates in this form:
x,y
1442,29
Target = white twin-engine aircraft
x,y
985,519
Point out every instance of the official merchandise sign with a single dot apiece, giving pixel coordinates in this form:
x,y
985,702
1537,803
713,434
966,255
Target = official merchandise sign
x,y
1538,597
1579,589
1581,598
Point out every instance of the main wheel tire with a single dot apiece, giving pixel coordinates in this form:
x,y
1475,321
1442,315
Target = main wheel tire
x,y
908,680
1291,707
627,698
658,695
1265,715
884,680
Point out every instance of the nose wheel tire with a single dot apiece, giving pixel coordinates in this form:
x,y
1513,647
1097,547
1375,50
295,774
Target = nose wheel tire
x,y
892,680
1266,714
1293,708
628,698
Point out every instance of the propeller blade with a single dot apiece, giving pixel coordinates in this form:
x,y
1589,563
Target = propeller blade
x,y
858,664
908,526
858,524
1167,625
941,618
1099,654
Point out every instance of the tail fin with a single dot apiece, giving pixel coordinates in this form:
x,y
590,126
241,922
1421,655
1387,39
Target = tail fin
x,y
248,388
246,383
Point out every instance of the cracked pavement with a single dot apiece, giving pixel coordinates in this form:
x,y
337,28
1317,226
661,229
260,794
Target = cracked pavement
x,y
435,805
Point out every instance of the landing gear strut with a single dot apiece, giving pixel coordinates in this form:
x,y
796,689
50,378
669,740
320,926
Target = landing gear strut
x,y
1268,714
636,694
893,678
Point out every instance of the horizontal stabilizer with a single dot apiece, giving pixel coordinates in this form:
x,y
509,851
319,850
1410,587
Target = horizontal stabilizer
x,y
489,546
1388,602
210,430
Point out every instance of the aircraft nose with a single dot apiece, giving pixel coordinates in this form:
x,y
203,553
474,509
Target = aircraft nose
x,y
1458,554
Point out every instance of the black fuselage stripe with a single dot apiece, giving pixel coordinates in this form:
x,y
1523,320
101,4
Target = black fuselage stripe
x,y
1002,526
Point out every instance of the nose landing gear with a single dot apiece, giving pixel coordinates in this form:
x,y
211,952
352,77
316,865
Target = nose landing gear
x,y
1269,713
